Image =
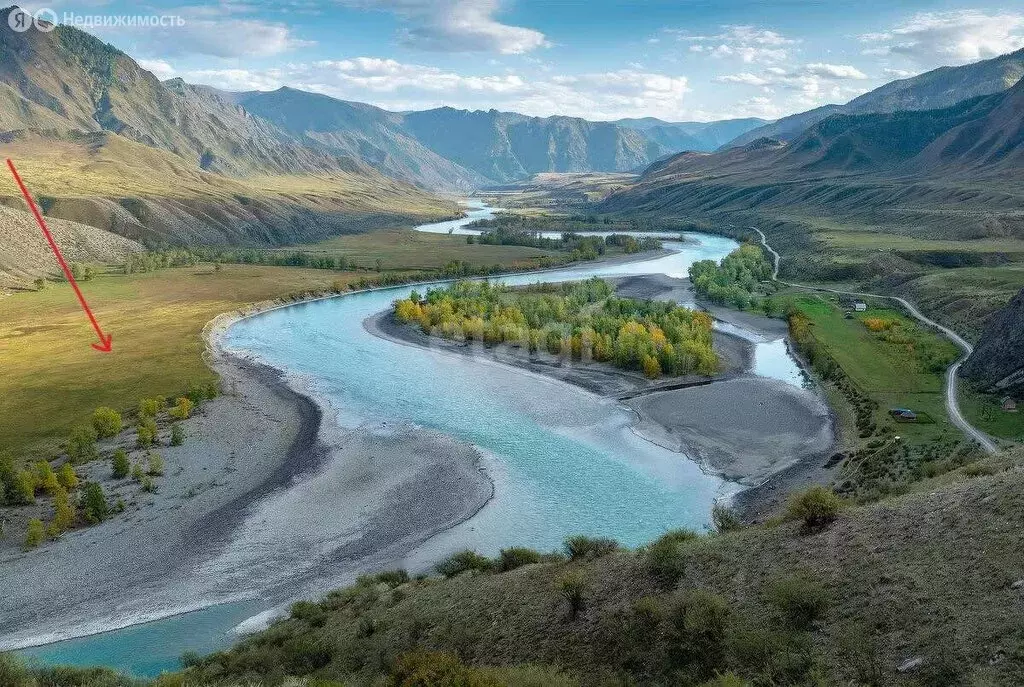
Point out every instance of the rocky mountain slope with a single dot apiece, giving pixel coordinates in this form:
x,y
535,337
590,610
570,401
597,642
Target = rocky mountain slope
x,y
997,364
697,136
935,89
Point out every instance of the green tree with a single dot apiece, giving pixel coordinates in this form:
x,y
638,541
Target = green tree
x,y
35,534
81,446
94,503
66,476
63,514
120,464
106,421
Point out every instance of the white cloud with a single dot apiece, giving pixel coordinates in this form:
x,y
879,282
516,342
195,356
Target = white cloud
x,y
219,31
747,43
160,68
899,73
931,39
457,26
400,86
835,71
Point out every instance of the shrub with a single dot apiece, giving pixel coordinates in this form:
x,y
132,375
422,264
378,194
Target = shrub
x,y
581,546
156,465
800,601
572,587
393,578
146,432
39,283
45,477
94,503
816,507
729,679
67,477
699,626
463,561
63,515
81,446
425,668
725,518
665,558
120,464
106,422
177,435
149,407
148,484
138,474
182,409
35,534
517,557
24,492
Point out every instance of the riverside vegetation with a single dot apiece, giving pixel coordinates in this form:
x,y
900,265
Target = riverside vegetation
x,y
580,320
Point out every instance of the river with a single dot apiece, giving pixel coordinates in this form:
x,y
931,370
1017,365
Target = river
x,y
563,461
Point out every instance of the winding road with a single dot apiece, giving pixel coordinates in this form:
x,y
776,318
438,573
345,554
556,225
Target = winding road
x,y
952,402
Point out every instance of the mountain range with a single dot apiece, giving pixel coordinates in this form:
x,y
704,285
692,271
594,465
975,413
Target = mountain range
x,y
931,90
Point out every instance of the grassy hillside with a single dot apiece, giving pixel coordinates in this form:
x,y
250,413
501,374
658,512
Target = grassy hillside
x,y
919,590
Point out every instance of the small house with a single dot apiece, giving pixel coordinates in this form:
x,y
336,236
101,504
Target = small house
x,y
904,414
1009,405
860,306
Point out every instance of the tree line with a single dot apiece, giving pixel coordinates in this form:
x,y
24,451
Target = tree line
x,y
741,280
579,320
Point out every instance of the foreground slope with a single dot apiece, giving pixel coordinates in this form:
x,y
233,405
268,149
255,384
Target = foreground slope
x,y
923,589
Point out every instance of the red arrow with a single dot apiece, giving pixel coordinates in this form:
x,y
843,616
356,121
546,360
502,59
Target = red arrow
x,y
105,339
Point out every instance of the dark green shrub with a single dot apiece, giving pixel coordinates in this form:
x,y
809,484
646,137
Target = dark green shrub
x,y
816,507
312,613
393,578
430,669
517,557
725,519
572,587
699,625
665,558
302,654
581,546
94,503
81,446
146,432
464,561
119,464
800,601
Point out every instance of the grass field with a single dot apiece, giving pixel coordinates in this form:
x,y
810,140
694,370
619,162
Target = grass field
x,y
985,412
892,373
53,379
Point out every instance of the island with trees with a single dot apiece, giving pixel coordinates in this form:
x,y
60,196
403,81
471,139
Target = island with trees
x,y
579,321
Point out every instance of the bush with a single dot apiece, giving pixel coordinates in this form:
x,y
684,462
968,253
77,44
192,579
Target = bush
x,y
800,601
816,507
665,559
426,669
463,561
183,409
94,503
24,492
45,477
699,626
67,477
177,435
156,465
63,514
148,484
138,474
571,587
119,464
81,446
106,422
581,546
149,407
146,432
393,578
517,557
725,518
35,534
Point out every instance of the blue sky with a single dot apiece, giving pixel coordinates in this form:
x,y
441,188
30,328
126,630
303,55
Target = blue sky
x,y
601,59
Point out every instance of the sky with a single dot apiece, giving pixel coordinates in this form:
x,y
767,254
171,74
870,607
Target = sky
x,y
678,60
